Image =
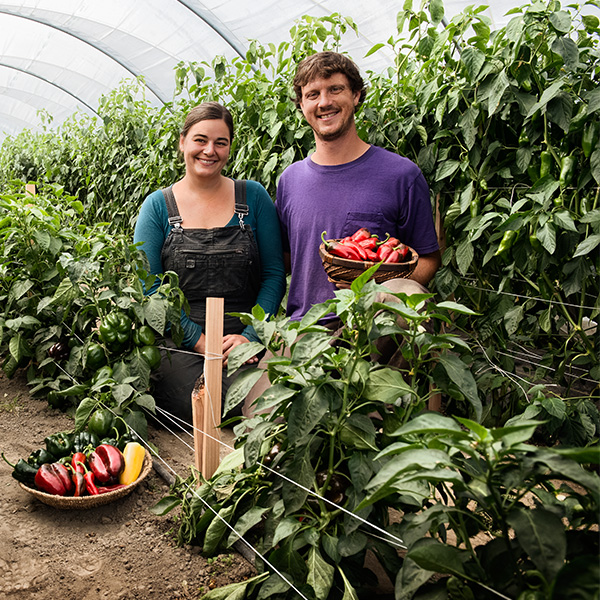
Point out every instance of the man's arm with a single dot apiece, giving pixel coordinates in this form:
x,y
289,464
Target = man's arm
x,y
427,267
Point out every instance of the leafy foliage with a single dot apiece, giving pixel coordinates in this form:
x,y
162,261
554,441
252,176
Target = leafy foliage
x,y
58,281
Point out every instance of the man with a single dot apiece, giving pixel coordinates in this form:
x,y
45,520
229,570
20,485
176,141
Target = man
x,y
347,184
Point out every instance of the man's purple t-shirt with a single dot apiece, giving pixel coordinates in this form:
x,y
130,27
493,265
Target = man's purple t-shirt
x,y
380,190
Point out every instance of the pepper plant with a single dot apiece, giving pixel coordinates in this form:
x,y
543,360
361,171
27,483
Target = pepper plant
x,y
329,411
63,285
501,518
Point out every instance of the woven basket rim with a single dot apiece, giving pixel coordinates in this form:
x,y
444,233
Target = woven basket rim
x,y
363,265
85,502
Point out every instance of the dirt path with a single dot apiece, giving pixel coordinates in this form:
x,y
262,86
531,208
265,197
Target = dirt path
x,y
116,551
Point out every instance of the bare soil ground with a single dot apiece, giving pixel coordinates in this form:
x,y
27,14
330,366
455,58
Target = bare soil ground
x,y
116,551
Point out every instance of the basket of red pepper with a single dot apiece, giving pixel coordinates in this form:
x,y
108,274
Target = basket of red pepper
x,y
72,475
345,259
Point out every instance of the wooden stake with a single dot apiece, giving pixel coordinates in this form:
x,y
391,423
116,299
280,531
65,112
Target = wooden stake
x,y
198,397
30,189
213,375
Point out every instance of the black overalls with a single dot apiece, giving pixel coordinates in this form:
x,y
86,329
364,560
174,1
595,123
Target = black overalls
x,y
222,262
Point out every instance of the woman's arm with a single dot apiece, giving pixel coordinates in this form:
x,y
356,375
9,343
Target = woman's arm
x,y
151,230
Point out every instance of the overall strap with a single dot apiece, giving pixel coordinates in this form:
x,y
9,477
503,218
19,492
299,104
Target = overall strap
x,y
241,207
172,210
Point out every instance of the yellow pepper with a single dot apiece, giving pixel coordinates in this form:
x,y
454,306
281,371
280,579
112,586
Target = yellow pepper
x,y
134,454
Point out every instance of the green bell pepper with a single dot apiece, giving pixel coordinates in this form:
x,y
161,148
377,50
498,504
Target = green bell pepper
x,y
144,336
95,357
38,457
151,354
59,444
115,330
22,471
101,422
85,440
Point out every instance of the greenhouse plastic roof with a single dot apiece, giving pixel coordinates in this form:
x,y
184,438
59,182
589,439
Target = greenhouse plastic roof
x,y
60,57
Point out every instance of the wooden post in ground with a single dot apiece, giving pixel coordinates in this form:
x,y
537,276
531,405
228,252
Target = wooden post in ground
x,y
30,189
206,397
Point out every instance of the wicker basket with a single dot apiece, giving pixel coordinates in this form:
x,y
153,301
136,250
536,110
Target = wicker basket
x,y
343,270
83,502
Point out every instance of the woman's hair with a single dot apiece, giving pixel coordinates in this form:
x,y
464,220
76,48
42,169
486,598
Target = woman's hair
x,y
326,64
208,111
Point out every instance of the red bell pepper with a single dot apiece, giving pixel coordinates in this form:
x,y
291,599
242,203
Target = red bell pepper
x,y
106,462
54,479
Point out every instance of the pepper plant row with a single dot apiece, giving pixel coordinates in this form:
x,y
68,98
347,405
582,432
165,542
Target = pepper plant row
x,y
504,124
74,315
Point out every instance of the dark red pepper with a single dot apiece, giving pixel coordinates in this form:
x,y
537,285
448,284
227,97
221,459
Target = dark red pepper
x,y
372,256
106,462
110,488
339,249
362,234
90,483
78,483
402,251
393,257
383,252
54,479
369,243
391,241
362,253
78,461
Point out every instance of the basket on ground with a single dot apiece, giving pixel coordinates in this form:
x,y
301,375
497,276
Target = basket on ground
x,y
83,502
343,270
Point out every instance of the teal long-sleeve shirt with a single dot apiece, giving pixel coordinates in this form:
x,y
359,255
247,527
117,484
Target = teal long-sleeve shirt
x,y
152,229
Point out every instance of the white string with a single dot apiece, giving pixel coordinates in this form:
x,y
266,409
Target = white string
x,y
195,493
475,287
400,542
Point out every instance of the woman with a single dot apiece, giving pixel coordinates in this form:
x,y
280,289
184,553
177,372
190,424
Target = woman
x,y
220,241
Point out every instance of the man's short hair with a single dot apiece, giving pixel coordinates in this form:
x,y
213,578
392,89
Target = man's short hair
x,y
326,64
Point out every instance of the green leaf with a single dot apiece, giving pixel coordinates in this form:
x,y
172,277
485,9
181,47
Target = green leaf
x,y
359,432
286,528
434,423
587,245
460,374
349,591
246,522
595,165
386,385
473,59
309,347
560,110
241,353
568,50
155,313
464,256
165,505
122,392
86,407
301,472
513,318
541,534
547,95
433,556
234,591
320,574
546,234
241,387
564,220
306,412
499,86
456,307
561,21
217,529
